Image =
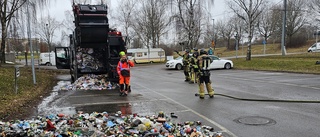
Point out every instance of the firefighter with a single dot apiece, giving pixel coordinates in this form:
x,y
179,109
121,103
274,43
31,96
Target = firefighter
x,y
204,74
185,62
194,67
123,70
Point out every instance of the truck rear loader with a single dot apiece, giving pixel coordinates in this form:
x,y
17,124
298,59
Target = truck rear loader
x,y
94,47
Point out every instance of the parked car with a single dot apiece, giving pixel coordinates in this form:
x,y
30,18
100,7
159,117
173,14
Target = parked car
x,y
315,47
175,63
219,63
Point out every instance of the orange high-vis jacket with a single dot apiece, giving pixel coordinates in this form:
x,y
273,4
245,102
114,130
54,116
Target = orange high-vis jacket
x,y
125,65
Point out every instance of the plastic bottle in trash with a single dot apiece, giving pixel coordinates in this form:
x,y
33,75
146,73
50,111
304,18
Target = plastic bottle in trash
x,y
109,85
119,120
167,126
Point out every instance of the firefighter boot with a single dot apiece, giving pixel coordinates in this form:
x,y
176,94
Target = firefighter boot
x,y
186,74
210,90
201,91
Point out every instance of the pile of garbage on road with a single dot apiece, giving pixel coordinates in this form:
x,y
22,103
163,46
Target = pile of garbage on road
x,y
105,125
90,82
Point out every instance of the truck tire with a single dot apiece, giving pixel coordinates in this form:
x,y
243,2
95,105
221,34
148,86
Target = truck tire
x,y
48,64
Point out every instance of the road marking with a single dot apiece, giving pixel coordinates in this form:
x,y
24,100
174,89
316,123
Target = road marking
x,y
117,102
193,111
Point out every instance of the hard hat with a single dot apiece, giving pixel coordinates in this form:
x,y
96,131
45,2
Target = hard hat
x,y
122,53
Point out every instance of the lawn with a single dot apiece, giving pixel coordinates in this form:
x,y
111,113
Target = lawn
x,y
14,104
298,63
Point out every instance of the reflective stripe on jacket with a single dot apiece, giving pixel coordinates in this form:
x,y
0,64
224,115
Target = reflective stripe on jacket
x,y
124,65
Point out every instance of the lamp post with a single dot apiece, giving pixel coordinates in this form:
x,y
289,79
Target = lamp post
x,y
283,37
48,42
236,37
30,44
317,33
214,47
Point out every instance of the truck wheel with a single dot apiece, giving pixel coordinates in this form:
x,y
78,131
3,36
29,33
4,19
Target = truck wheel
x,y
48,64
151,62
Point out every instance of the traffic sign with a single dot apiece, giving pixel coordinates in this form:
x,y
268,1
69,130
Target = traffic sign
x,y
17,72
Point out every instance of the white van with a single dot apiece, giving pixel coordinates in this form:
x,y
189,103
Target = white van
x,y
146,55
48,59
315,47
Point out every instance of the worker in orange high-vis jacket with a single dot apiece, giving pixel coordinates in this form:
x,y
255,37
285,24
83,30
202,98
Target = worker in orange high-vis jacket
x,y
123,70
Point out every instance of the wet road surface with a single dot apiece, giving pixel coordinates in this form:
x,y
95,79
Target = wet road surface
x,y
156,89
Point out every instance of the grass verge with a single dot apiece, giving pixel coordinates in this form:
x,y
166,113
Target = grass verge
x,y
299,63
17,105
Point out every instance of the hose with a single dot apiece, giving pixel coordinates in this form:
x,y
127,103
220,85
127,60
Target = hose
x,y
265,100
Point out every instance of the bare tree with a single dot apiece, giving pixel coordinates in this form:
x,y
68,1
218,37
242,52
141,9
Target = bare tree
x,y
189,13
225,30
295,18
7,10
315,6
125,15
249,11
150,22
46,29
238,28
267,24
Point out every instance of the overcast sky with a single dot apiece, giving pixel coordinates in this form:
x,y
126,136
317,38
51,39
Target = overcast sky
x,y
58,8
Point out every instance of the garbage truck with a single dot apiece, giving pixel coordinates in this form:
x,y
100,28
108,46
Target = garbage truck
x,y
94,48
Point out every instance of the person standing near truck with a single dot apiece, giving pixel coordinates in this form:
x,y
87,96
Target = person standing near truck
x,y
185,62
123,70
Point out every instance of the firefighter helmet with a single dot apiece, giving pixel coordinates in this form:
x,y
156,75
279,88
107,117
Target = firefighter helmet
x,y
202,51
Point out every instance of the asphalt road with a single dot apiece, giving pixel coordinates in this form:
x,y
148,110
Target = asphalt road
x,y
155,89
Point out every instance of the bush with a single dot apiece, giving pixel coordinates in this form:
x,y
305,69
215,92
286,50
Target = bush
x,y
296,41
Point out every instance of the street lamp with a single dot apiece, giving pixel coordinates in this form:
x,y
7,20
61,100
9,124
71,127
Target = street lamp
x,y
213,34
236,37
30,43
48,42
317,33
